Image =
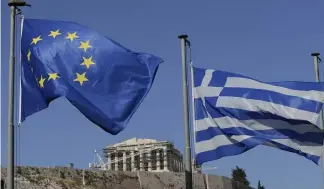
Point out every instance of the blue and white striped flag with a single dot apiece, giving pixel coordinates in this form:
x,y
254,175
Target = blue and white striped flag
x,y
235,113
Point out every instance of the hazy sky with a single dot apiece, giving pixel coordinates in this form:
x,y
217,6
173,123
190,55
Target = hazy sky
x,y
270,41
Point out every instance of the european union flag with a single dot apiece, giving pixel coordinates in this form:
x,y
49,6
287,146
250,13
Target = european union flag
x,y
105,81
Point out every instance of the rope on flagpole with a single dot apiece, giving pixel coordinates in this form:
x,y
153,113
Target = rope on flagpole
x,y
19,91
16,85
317,60
192,101
193,125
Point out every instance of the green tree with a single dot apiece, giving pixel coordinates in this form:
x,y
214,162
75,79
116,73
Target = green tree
x,y
239,175
260,186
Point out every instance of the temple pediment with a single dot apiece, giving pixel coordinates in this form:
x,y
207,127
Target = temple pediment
x,y
135,141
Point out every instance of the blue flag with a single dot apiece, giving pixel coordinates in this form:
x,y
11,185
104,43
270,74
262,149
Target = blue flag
x,y
105,81
235,113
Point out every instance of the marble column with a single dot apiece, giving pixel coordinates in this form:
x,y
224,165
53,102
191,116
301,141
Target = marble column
x,y
141,161
175,163
124,161
165,159
179,164
149,159
133,168
109,161
182,165
172,161
158,166
116,162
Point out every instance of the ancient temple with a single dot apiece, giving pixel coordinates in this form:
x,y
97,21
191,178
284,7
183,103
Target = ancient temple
x,y
143,155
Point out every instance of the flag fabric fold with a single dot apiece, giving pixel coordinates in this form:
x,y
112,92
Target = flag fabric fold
x,y
235,113
105,81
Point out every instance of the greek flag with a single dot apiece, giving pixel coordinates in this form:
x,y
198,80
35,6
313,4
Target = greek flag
x,y
235,113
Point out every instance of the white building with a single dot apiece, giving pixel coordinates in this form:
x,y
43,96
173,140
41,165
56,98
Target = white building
x,y
143,155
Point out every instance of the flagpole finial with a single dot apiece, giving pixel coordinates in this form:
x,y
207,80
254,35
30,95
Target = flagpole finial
x,y
315,54
184,36
18,3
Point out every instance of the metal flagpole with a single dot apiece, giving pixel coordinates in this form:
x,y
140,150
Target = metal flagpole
x,y
11,151
317,76
188,168
11,130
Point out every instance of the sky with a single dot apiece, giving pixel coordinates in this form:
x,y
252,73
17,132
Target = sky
x,y
269,41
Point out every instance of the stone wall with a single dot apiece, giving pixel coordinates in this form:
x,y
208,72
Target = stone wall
x,y
68,178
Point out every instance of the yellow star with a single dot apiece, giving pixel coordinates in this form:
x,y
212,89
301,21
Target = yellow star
x,y
28,55
71,36
35,40
54,33
53,76
87,62
85,45
41,82
81,78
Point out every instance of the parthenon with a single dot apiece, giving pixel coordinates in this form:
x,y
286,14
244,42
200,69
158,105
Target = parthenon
x,y
143,155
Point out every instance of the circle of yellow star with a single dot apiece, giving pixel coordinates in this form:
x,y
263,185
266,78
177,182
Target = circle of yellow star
x,y
81,78
85,45
28,55
41,82
55,33
53,76
87,62
71,36
35,40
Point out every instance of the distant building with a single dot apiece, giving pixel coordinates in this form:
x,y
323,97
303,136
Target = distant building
x,y
143,155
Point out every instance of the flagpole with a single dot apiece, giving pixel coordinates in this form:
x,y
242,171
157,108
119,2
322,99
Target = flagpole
x,y
11,130
188,168
11,157
317,77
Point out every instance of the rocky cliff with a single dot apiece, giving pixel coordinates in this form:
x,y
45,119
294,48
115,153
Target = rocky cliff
x,y
68,178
